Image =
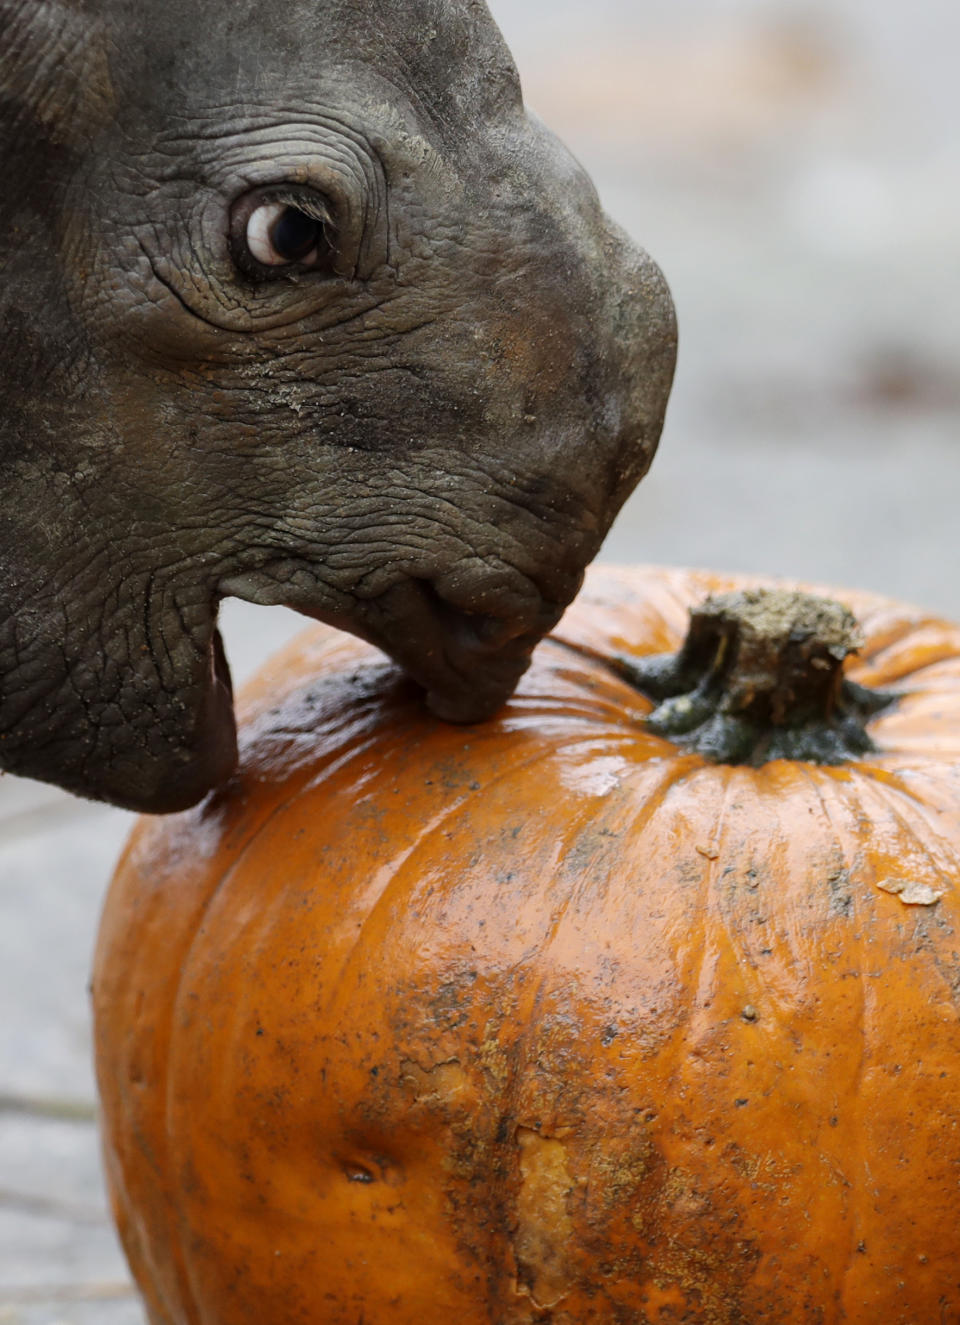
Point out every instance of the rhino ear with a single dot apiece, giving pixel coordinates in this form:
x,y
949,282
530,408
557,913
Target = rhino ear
x,y
53,70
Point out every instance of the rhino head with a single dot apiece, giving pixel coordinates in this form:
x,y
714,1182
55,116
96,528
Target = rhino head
x,y
297,304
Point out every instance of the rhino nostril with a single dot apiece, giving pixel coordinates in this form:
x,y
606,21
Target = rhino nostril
x,y
489,630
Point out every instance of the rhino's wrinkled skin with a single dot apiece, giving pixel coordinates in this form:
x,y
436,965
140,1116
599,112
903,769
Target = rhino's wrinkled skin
x,y
419,431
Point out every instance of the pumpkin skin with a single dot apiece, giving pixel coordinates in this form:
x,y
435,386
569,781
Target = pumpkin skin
x,y
544,1020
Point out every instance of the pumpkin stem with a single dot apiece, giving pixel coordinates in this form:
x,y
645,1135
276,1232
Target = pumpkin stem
x,y
760,677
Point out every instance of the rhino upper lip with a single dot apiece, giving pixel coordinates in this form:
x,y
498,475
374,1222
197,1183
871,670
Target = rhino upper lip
x,y
468,662
481,632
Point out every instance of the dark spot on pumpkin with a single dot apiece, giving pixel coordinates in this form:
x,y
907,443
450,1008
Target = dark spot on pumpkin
x,y
357,1173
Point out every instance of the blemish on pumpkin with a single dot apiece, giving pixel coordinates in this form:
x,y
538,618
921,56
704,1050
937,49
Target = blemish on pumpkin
x,y
437,1085
357,1173
911,894
544,1227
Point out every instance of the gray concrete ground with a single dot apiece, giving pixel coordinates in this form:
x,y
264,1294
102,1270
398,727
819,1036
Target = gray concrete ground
x,y
794,167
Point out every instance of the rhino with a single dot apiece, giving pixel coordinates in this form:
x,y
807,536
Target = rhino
x,y
297,304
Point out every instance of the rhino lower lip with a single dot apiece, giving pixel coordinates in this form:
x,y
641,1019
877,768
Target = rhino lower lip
x,y
220,666
213,751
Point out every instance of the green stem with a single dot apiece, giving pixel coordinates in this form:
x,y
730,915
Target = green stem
x,y
760,677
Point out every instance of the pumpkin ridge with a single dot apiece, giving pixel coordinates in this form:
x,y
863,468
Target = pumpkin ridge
x,y
674,775
712,917
947,870
792,955
847,843
532,1012
912,653
609,667
397,868
394,870
912,671
345,756
871,771
162,1141
184,1279
854,1192
882,641
586,709
684,767
713,875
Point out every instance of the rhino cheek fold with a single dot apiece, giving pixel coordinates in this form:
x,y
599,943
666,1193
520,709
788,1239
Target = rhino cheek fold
x,y
146,747
175,778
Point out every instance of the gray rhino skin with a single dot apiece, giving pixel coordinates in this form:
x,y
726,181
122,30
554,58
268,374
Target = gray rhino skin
x,y
420,430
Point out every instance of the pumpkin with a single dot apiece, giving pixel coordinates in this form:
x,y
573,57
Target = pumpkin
x,y
558,1018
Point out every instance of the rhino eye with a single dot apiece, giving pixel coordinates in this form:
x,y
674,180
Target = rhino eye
x,y
278,233
270,234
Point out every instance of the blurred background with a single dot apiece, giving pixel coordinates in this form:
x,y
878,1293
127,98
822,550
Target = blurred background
x,y
794,166
795,169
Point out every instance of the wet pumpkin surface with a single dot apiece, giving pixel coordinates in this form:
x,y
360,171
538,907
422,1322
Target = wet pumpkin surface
x,y
545,1020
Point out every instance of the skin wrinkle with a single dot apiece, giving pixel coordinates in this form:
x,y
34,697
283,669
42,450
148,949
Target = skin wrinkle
x,y
171,289
272,320
203,278
307,134
471,544
53,70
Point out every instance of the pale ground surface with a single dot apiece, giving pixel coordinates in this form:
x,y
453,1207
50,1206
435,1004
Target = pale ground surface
x,y
795,168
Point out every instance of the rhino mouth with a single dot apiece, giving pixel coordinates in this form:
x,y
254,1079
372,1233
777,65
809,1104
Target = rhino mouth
x,y
466,649
465,638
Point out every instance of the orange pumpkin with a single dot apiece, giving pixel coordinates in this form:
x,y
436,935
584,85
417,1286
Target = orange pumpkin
x,y
550,1019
